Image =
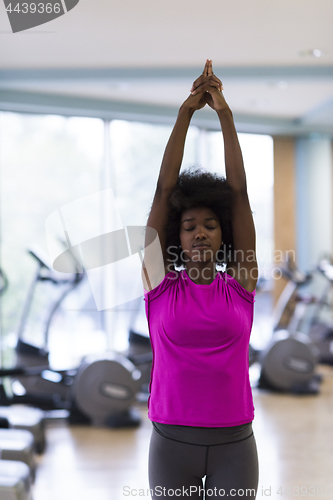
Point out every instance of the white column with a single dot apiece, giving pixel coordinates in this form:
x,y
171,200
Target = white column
x,y
314,199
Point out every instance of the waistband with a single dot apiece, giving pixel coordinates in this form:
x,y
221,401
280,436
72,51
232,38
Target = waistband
x,y
206,436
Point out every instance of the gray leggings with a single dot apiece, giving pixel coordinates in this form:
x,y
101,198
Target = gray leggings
x,y
176,469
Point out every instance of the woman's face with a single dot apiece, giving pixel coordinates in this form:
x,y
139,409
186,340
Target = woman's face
x,y
200,226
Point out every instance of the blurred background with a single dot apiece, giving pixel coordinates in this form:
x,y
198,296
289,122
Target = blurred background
x,y
87,102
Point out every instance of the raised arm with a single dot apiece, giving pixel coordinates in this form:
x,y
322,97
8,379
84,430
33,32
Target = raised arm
x,y
155,263
243,263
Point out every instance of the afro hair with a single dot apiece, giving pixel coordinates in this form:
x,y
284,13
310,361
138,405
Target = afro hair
x,y
197,187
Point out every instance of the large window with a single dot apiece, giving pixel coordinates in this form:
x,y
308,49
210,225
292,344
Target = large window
x,y
46,162
50,161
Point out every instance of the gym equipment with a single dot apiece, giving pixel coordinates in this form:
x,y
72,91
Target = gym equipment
x,y
18,445
15,476
45,388
288,364
289,360
15,482
105,388
18,416
100,391
46,385
139,351
29,419
321,333
116,380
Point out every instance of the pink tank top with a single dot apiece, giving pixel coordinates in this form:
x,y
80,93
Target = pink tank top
x,y
200,341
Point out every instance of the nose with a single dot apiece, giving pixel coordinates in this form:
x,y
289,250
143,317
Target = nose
x,y
200,235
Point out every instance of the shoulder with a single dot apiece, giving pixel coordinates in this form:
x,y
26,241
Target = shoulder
x,y
242,277
168,280
245,293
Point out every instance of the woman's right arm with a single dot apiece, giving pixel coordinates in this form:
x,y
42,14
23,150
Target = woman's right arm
x,y
155,257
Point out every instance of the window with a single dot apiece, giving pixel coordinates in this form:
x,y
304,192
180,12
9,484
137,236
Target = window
x,y
46,162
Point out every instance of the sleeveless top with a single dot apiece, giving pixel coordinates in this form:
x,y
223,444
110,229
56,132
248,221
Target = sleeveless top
x,y
200,341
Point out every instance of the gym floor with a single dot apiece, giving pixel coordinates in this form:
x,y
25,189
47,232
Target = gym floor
x,y
294,437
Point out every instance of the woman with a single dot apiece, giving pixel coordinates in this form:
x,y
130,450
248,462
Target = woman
x,y
199,319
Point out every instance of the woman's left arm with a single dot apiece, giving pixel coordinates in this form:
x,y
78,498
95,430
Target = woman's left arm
x,y
243,263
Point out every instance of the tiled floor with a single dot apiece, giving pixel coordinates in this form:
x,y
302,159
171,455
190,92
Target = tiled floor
x,y
294,437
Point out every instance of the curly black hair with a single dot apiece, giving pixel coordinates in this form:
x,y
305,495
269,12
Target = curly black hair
x,y
196,187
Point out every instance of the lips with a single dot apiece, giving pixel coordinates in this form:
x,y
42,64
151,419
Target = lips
x,y
200,245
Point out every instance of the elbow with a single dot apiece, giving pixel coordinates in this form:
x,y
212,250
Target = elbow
x,y
240,191
163,188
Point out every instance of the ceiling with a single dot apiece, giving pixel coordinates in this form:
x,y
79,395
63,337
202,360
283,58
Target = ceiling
x,y
138,59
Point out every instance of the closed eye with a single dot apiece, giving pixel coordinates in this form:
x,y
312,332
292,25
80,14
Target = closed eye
x,y
208,227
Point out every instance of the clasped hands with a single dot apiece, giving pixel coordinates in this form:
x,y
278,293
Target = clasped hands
x,y
207,89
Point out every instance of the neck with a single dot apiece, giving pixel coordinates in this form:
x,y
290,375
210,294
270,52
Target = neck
x,y
201,273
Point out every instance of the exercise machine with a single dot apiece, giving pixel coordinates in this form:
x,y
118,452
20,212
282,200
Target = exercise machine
x,y
288,363
101,391
321,332
17,446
